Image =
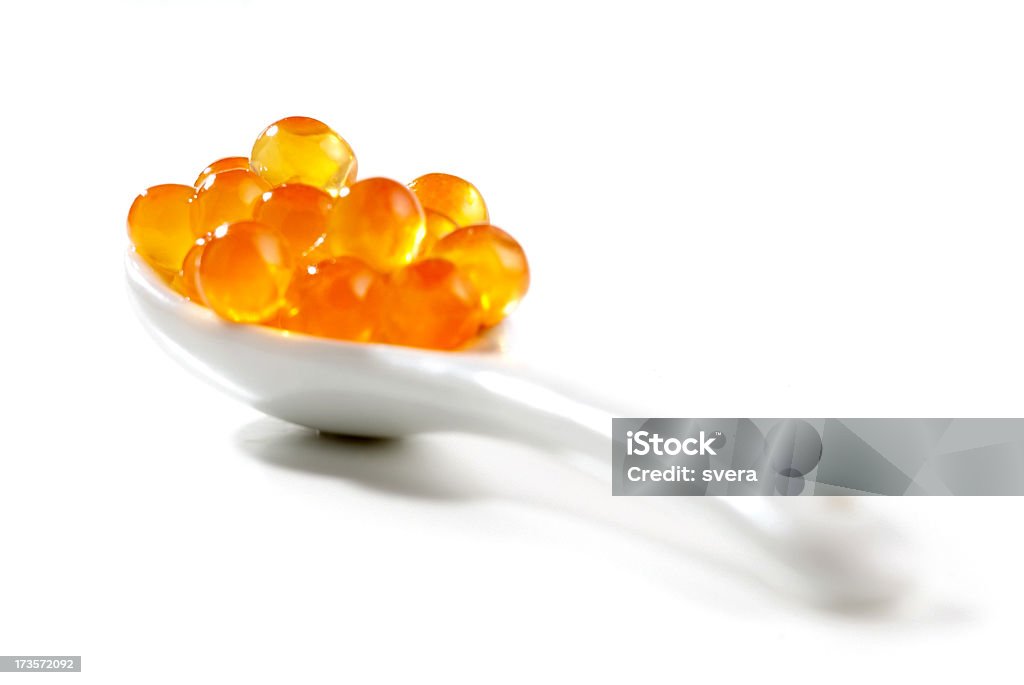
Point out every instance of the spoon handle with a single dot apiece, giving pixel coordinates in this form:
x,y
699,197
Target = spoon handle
x,y
827,547
527,406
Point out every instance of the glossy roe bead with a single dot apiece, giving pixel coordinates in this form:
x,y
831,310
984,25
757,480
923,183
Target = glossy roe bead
x,y
456,198
379,221
186,280
431,304
299,212
225,164
338,298
244,272
437,226
494,262
304,150
224,198
160,227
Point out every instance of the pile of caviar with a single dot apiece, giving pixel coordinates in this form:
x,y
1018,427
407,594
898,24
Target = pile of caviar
x,y
287,237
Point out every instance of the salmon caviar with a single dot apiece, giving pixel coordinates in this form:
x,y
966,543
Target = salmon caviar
x,y
430,303
338,298
160,225
457,199
288,238
186,280
225,198
380,221
317,253
299,212
304,150
225,164
494,262
244,272
437,226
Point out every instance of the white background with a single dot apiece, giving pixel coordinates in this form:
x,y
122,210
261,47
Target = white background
x,y
731,208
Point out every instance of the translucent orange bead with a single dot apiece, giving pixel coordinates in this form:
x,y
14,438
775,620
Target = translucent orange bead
x,y
225,164
226,197
186,280
244,272
304,150
160,225
456,198
338,298
318,253
299,212
494,262
437,226
380,221
430,303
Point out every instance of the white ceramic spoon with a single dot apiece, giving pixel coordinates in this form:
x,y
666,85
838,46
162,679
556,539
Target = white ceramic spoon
x,y
837,554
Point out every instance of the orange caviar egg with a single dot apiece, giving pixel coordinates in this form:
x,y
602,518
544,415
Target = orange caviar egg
x,y
225,164
456,198
379,221
337,298
494,262
225,198
317,253
430,303
160,225
299,212
437,226
287,237
304,150
186,280
244,272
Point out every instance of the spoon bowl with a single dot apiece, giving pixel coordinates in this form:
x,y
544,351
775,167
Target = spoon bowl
x,y
359,389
